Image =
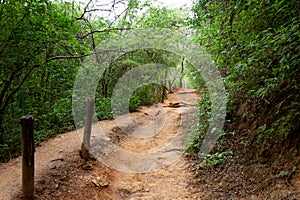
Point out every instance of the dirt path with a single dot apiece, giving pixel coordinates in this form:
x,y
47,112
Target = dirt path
x,y
61,174
10,173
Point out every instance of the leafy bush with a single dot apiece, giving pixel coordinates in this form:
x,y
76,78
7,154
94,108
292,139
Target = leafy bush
x,y
217,158
103,108
198,133
144,95
257,48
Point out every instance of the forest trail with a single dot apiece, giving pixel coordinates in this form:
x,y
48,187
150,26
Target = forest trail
x,y
56,148
61,173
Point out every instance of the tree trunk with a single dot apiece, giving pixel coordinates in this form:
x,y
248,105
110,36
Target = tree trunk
x,y
163,94
156,94
181,77
1,129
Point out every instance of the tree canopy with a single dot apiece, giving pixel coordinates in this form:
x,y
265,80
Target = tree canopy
x,y
255,45
42,46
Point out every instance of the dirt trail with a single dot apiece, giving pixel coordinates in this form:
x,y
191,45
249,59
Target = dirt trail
x,y
10,173
61,174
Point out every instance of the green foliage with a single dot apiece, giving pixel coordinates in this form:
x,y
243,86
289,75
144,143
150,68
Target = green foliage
x,y
161,18
144,95
103,108
38,40
31,33
283,173
257,48
217,158
197,134
193,76
145,15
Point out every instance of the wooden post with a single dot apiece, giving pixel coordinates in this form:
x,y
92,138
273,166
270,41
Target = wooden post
x,y
28,150
87,129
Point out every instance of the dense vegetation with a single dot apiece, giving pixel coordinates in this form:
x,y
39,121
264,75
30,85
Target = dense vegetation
x,y
31,33
255,44
43,44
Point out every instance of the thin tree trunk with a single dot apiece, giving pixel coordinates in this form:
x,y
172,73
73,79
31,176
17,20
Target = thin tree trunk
x,y
156,94
181,78
1,129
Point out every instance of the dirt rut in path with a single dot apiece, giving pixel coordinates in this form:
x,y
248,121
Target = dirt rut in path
x,y
173,181
61,174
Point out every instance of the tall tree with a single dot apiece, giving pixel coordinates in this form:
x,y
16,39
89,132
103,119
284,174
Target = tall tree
x,y
31,33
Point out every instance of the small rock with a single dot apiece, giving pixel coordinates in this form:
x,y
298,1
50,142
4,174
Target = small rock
x,y
100,182
87,166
